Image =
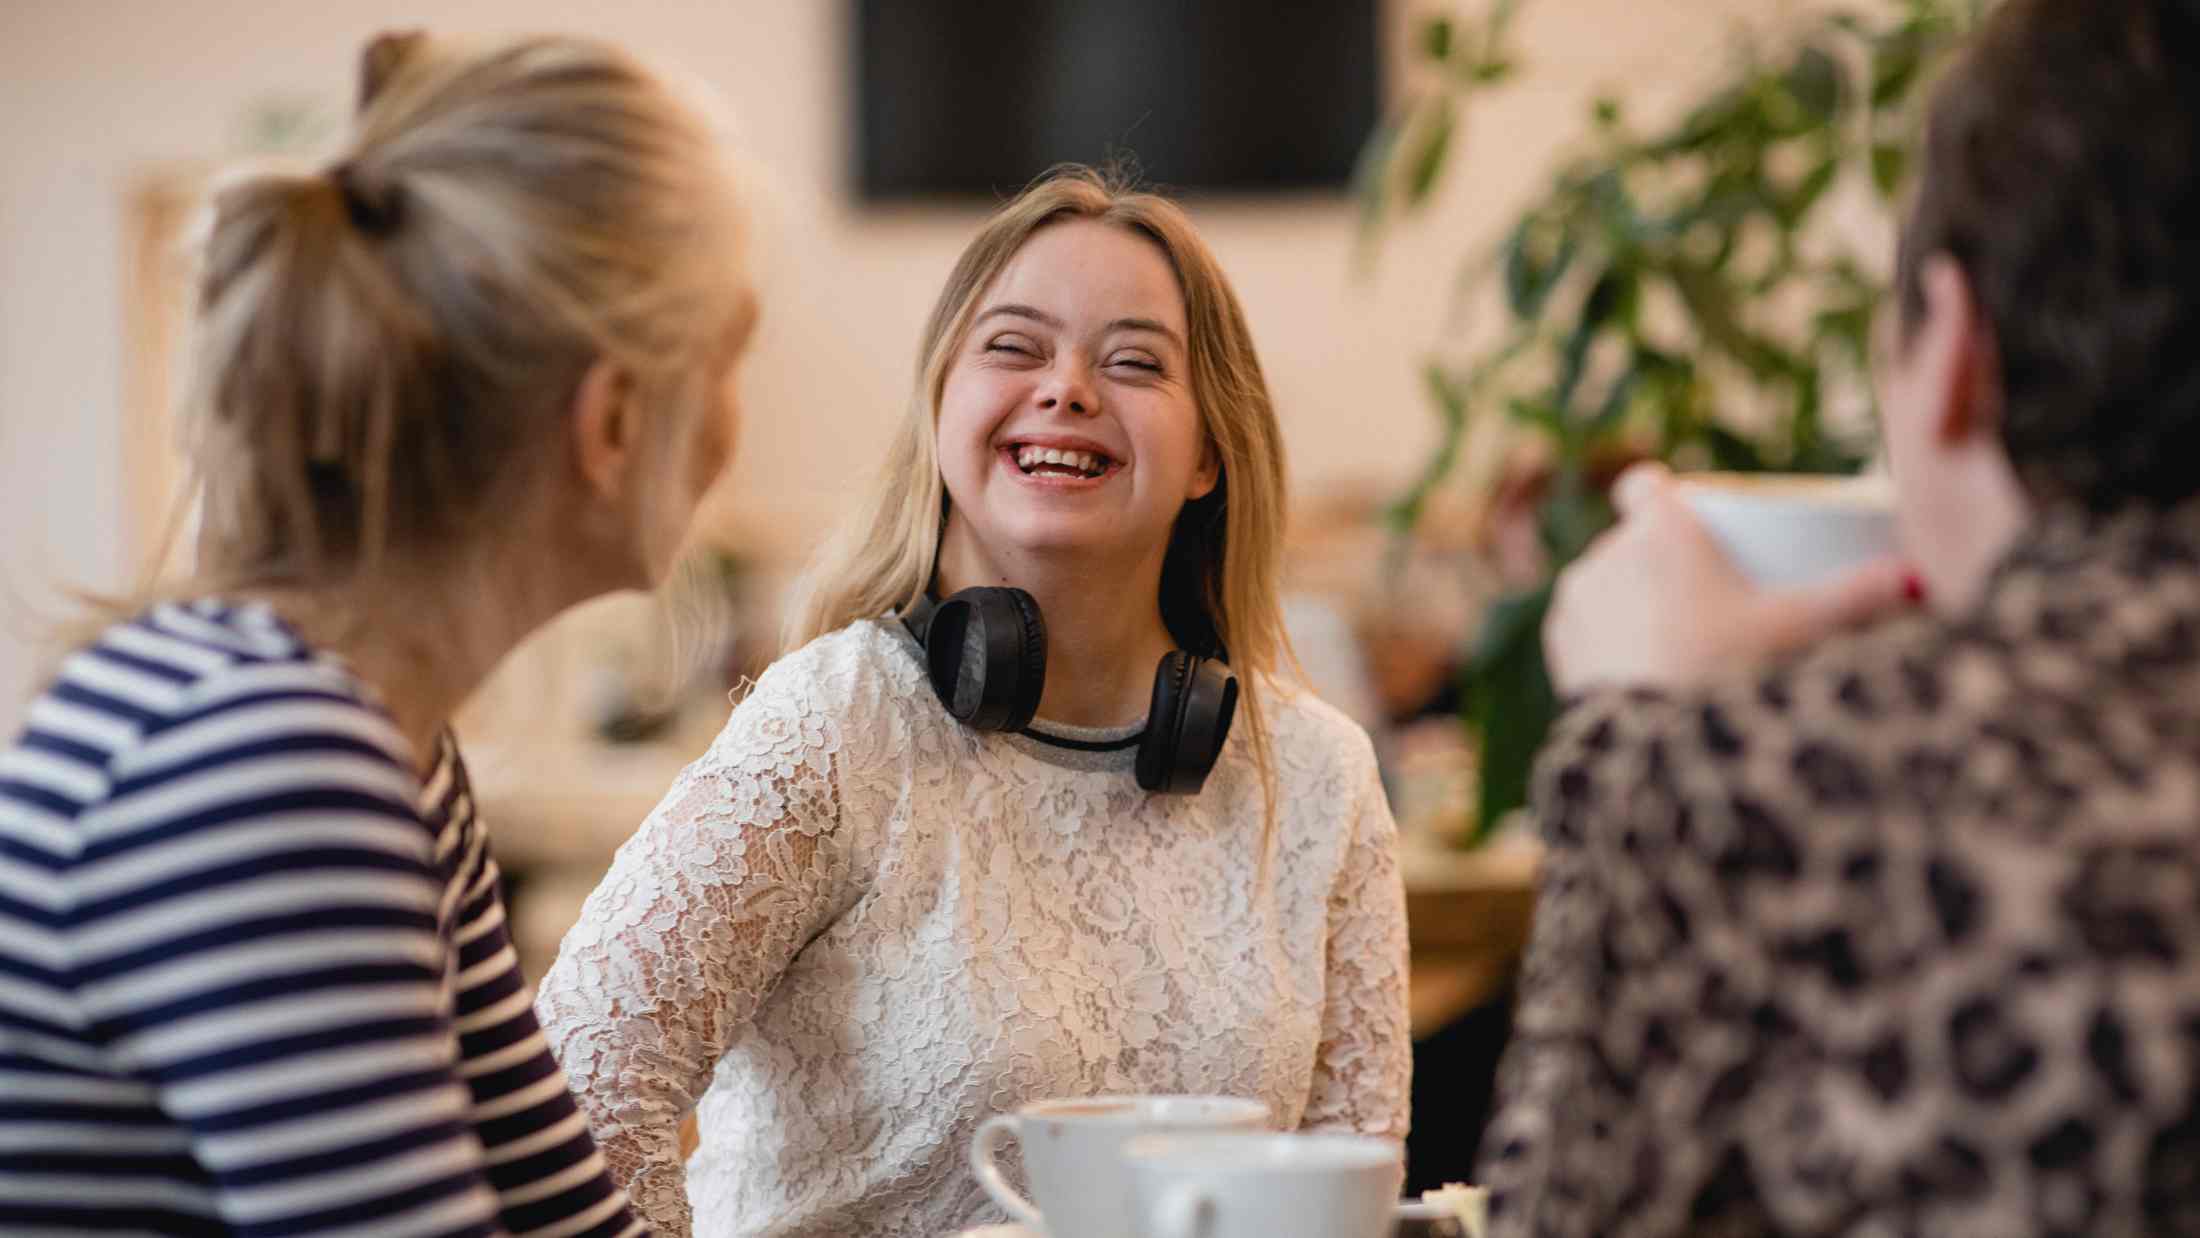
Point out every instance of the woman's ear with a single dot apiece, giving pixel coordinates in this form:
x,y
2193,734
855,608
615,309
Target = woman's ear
x,y
1962,359
1207,475
605,429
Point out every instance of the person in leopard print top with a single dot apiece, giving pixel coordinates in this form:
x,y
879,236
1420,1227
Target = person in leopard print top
x,y
1894,929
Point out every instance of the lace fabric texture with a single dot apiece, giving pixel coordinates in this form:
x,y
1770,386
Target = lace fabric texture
x,y
855,929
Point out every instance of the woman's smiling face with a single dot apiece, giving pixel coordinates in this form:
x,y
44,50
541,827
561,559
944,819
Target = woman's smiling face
x,y
1066,422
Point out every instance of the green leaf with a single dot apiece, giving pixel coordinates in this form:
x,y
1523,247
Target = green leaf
x,y
1436,38
1573,515
1824,455
1625,230
1679,417
1817,84
1889,164
1450,399
1808,192
1432,141
1617,400
1713,122
1501,19
1606,298
1492,71
1449,396
1537,256
1728,201
1896,65
1606,112
1510,703
1711,303
1732,453
1371,180
1540,413
1847,328
1512,622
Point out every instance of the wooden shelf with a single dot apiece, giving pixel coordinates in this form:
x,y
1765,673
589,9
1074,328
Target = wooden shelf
x,y
1467,918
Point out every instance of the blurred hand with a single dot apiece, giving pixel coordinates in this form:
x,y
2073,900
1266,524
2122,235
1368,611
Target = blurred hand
x,y
1656,603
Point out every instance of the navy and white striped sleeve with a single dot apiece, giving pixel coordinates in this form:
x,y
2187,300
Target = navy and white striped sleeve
x,y
250,981
255,935
547,1171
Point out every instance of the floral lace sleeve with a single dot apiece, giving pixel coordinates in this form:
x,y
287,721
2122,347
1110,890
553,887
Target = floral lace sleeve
x,y
1363,1068
701,913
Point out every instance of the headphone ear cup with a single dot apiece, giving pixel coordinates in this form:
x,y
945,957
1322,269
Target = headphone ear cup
x,y
1157,751
985,651
1029,656
1194,703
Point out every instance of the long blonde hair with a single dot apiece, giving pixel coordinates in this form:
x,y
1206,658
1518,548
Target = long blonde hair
x,y
382,347
1220,581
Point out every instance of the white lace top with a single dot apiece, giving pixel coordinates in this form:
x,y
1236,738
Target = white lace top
x,y
855,928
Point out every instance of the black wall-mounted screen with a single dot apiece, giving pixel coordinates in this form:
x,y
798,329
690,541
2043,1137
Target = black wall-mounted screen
x,y
976,97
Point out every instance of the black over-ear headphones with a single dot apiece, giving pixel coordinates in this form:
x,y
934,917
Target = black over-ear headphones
x,y
985,650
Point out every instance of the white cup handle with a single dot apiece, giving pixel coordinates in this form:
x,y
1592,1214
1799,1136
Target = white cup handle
x,y
985,1146
1184,1212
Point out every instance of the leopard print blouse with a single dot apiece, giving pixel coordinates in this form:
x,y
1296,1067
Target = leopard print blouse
x,y
1900,938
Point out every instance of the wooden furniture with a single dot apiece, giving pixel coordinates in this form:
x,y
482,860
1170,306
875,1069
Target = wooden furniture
x,y
1467,918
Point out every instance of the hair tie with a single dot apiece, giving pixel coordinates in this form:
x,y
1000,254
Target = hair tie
x,y
373,209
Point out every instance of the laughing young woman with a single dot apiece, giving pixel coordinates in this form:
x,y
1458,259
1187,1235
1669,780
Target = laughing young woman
x,y
959,851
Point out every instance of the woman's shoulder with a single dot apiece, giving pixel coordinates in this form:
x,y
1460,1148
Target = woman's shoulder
x,y
1874,685
1309,731
857,684
851,664
178,662
186,693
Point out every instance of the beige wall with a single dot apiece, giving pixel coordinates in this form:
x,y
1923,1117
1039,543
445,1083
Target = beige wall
x,y
93,93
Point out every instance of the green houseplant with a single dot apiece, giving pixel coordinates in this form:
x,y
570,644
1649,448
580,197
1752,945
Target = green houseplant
x,y
1677,292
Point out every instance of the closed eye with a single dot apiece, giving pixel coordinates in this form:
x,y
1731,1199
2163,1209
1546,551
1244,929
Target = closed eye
x,y
1138,363
1014,345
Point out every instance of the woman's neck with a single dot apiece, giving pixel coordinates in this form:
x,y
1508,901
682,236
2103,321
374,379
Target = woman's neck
x,y
425,637
1104,628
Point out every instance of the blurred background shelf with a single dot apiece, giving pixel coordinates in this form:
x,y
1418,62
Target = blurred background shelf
x,y
1467,917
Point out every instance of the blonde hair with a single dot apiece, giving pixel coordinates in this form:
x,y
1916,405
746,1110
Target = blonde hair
x,y
1220,581
381,347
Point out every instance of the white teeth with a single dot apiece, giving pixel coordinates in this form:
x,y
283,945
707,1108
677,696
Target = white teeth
x,y
1083,461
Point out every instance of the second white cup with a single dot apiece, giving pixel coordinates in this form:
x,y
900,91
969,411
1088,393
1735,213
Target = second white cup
x,y
1073,1154
1263,1186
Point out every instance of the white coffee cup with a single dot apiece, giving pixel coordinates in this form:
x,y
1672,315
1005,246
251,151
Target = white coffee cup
x,y
1785,529
1072,1153
1240,1185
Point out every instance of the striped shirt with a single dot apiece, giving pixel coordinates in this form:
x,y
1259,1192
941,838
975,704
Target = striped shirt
x,y
254,976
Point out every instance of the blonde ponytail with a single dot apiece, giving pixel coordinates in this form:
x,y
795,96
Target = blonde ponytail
x,y
383,347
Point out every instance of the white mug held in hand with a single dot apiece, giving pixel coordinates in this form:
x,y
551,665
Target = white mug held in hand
x,y
1705,576
1264,1186
1072,1153
1785,530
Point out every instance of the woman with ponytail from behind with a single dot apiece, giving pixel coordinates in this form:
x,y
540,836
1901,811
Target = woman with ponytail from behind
x,y
254,973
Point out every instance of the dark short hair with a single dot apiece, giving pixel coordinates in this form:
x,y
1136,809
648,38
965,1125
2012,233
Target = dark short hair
x,y
2062,173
